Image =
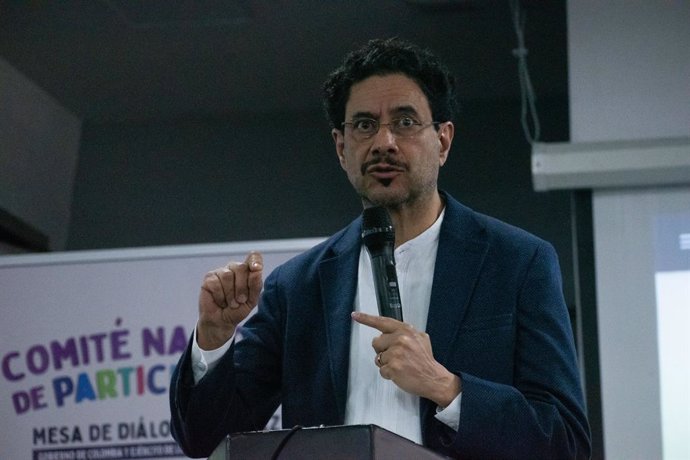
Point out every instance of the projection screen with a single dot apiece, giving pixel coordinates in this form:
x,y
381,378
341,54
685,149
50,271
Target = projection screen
x,y
642,250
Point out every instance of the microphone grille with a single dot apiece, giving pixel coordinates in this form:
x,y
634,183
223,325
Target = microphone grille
x,y
377,221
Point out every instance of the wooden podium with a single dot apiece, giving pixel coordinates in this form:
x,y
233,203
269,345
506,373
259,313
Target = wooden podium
x,y
351,442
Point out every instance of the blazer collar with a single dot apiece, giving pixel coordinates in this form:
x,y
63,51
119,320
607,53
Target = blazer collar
x,y
462,247
338,279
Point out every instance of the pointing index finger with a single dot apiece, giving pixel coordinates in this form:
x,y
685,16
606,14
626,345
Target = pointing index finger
x,y
381,323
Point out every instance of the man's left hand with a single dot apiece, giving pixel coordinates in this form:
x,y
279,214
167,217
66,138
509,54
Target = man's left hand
x,y
404,355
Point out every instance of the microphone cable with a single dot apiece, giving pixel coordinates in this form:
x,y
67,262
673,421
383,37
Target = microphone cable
x,y
284,441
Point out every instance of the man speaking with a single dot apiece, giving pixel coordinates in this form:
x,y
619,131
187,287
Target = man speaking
x,y
483,363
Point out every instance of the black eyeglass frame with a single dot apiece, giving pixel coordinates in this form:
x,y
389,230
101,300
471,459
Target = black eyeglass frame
x,y
394,127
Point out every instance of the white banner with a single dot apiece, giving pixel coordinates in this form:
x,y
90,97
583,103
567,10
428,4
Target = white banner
x,y
89,342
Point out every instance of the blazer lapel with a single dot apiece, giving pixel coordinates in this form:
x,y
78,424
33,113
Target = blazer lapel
x,y
461,250
338,277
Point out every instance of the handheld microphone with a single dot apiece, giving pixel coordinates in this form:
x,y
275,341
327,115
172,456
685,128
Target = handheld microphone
x,y
378,235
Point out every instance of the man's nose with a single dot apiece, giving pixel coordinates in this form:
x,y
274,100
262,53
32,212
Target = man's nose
x,y
384,140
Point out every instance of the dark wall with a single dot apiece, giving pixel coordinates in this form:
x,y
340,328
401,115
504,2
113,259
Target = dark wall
x,y
277,176
211,180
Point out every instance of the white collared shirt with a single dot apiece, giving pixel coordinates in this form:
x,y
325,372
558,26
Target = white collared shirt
x,y
370,398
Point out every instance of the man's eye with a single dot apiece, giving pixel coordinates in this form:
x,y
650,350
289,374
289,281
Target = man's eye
x,y
364,125
405,122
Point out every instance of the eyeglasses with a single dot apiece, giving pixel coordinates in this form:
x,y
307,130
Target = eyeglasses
x,y
365,128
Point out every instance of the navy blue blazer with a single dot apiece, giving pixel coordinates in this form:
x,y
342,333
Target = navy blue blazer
x,y
497,318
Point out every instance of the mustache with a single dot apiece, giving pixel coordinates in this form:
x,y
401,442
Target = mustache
x,y
385,162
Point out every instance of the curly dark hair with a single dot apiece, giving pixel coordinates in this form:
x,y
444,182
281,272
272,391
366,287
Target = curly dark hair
x,y
385,57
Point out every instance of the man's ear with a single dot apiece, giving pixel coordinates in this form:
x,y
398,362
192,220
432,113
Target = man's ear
x,y
445,137
339,141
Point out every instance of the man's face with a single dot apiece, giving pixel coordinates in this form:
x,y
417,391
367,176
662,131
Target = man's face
x,y
388,169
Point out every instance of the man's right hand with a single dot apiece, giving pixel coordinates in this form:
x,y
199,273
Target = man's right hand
x,y
227,296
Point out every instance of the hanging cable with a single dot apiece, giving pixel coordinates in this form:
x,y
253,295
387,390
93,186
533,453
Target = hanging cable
x,y
528,110
284,441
